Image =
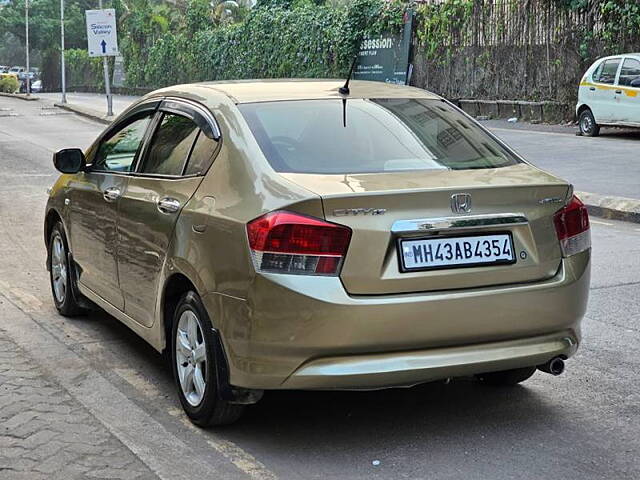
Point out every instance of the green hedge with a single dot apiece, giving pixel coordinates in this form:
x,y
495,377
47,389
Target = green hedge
x,y
304,41
83,70
9,84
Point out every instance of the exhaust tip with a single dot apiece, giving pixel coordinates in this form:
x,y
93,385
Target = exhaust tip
x,y
555,366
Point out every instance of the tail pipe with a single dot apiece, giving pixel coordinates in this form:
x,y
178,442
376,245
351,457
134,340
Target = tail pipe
x,y
555,366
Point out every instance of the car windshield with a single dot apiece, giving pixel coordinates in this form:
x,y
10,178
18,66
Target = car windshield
x,y
370,136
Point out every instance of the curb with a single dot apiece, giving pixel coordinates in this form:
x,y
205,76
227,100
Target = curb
x,y
20,96
615,208
86,112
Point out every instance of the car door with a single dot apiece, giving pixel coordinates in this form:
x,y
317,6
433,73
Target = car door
x,y
628,92
605,105
166,177
93,200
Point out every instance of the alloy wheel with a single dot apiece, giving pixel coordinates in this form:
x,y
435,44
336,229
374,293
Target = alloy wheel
x,y
191,357
587,124
59,268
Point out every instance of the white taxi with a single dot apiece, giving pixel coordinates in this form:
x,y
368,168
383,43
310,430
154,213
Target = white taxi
x,y
609,94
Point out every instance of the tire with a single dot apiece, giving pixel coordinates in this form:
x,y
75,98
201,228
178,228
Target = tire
x,y
194,369
507,377
587,124
63,290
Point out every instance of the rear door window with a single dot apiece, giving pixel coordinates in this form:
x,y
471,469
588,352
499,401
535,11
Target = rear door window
x,y
202,155
630,73
171,145
370,136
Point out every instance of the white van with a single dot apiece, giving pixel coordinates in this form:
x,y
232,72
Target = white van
x,y
609,94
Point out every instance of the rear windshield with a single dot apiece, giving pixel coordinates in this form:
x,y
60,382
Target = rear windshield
x,y
370,136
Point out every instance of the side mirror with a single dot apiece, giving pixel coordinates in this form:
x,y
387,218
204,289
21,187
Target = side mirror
x,y
69,160
635,82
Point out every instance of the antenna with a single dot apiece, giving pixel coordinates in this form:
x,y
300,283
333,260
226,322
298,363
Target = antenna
x,y
344,90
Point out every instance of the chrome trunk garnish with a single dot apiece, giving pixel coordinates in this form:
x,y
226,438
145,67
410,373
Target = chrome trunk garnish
x,y
458,223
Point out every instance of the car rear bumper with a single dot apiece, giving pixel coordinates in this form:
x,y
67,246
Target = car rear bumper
x,y
410,368
296,332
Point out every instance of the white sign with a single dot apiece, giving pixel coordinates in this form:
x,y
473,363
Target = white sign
x,y
102,37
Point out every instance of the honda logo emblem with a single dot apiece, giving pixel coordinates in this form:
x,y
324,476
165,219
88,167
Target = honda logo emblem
x,y
461,203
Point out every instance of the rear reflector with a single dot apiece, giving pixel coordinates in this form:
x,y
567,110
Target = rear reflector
x,y
286,242
572,228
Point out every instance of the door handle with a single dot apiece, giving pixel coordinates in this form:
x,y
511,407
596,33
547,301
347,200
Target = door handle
x,y
168,205
619,92
593,89
111,194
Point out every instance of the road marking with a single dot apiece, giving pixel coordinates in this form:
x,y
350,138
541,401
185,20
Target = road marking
x,y
236,455
600,223
137,381
26,302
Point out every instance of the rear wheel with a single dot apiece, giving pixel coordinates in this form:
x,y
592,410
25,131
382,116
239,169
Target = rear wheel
x,y
194,367
64,297
587,124
507,377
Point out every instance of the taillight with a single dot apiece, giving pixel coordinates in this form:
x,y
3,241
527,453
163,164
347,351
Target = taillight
x,y
572,227
286,242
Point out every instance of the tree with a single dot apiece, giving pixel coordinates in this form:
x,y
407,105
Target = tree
x,y
44,30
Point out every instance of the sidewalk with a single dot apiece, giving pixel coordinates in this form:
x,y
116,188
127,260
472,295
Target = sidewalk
x,y
604,170
45,434
94,104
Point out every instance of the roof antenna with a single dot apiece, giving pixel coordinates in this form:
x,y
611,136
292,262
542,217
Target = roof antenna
x,y
344,90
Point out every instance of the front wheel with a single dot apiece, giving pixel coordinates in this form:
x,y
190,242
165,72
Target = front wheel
x,y
194,367
64,297
507,377
587,124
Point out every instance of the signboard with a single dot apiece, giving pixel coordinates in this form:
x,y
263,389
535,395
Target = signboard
x,y
118,71
385,58
101,32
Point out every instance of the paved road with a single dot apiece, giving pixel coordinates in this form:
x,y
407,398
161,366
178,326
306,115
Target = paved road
x,y
582,425
607,165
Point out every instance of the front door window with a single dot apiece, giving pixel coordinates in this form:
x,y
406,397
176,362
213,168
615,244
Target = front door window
x,y
117,152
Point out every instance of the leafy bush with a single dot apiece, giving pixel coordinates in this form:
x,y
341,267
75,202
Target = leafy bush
x,y
9,84
83,70
279,39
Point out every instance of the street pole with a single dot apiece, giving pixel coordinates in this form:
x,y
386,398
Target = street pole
x,y
107,85
26,27
62,67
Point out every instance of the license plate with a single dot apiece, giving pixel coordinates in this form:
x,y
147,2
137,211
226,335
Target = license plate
x,y
452,252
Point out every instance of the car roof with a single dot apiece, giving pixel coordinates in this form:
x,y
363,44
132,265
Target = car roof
x,y
619,55
251,91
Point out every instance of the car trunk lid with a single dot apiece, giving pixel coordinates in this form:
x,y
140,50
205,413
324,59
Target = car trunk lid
x,y
384,209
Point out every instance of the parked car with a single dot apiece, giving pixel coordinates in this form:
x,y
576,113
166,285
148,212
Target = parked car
x,y
17,71
288,235
4,69
36,86
609,94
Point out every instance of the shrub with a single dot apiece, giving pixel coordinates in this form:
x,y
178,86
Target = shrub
x,y
9,84
83,70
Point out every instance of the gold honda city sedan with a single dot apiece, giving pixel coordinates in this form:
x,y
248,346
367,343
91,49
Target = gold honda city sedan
x,y
296,235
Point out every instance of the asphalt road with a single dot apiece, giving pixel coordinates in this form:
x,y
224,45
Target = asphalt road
x,y
581,425
607,165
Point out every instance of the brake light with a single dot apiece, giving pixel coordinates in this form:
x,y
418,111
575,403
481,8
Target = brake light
x,y
286,242
572,227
